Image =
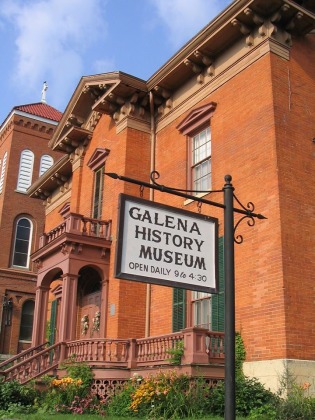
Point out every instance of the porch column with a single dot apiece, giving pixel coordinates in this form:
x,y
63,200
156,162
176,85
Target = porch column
x,y
104,308
40,315
68,307
195,346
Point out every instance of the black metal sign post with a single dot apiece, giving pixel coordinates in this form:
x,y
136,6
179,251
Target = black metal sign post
x,y
229,270
229,325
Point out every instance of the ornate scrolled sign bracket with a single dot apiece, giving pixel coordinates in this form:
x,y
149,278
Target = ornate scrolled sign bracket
x,y
238,239
247,212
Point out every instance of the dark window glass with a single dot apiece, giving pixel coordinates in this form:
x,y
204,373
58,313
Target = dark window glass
x,y
22,243
26,327
98,194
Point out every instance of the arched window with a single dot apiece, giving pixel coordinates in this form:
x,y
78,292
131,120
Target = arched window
x,y
46,162
27,316
26,170
4,164
22,242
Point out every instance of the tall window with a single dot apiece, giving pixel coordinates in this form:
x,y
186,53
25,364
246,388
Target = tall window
x,y
26,170
22,243
201,309
46,162
4,164
196,126
201,160
98,193
27,316
97,164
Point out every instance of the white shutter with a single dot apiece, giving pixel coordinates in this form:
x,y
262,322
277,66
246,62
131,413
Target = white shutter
x,y
46,162
4,164
26,170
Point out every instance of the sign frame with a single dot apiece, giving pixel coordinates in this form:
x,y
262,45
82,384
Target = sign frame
x,y
124,200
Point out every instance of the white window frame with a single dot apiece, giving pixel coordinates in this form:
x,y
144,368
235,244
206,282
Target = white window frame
x,y
201,309
29,242
25,170
200,161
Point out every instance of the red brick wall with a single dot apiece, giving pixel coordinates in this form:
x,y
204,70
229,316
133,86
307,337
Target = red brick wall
x,y
19,284
257,139
262,132
295,127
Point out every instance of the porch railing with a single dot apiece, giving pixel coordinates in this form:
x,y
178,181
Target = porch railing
x,y
24,355
155,350
36,365
99,352
79,225
200,346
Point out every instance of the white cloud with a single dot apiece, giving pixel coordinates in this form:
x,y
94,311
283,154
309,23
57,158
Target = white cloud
x,y
104,65
52,38
184,18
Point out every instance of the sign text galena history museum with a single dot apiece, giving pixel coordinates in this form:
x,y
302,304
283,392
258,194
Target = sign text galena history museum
x,y
165,245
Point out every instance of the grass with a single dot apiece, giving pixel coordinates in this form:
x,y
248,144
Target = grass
x,y
82,417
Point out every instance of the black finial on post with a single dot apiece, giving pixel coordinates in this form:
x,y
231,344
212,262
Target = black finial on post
x,y
227,179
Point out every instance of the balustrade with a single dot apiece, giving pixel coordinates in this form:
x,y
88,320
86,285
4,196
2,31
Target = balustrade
x,y
154,350
36,365
80,225
24,355
99,351
200,347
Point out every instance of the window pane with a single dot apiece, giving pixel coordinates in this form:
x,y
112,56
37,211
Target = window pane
x,y
20,260
23,232
201,309
21,246
202,176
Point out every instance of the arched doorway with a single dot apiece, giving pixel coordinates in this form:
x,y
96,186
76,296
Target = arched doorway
x,y
89,300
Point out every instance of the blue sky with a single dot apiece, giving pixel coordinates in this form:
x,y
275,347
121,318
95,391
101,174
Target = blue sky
x,y
59,41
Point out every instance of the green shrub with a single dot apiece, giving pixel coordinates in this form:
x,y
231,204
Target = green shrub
x,y
176,353
79,370
240,354
71,394
119,404
12,392
167,395
297,404
250,395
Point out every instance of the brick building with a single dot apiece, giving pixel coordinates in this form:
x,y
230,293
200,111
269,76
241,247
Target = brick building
x,y
237,99
24,157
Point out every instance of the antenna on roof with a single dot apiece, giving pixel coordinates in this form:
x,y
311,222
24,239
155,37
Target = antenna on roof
x,y
45,87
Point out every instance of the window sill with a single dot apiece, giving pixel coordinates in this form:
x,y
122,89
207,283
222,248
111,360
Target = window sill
x,y
200,195
20,268
21,191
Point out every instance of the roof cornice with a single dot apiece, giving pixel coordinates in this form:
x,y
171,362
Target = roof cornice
x,y
238,20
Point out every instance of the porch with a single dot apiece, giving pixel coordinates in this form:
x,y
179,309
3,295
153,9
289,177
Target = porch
x,y
114,361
